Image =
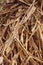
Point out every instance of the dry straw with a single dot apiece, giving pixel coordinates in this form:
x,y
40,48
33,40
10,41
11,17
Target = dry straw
x,y
21,32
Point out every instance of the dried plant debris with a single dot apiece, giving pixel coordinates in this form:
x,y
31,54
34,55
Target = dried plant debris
x,y
21,32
